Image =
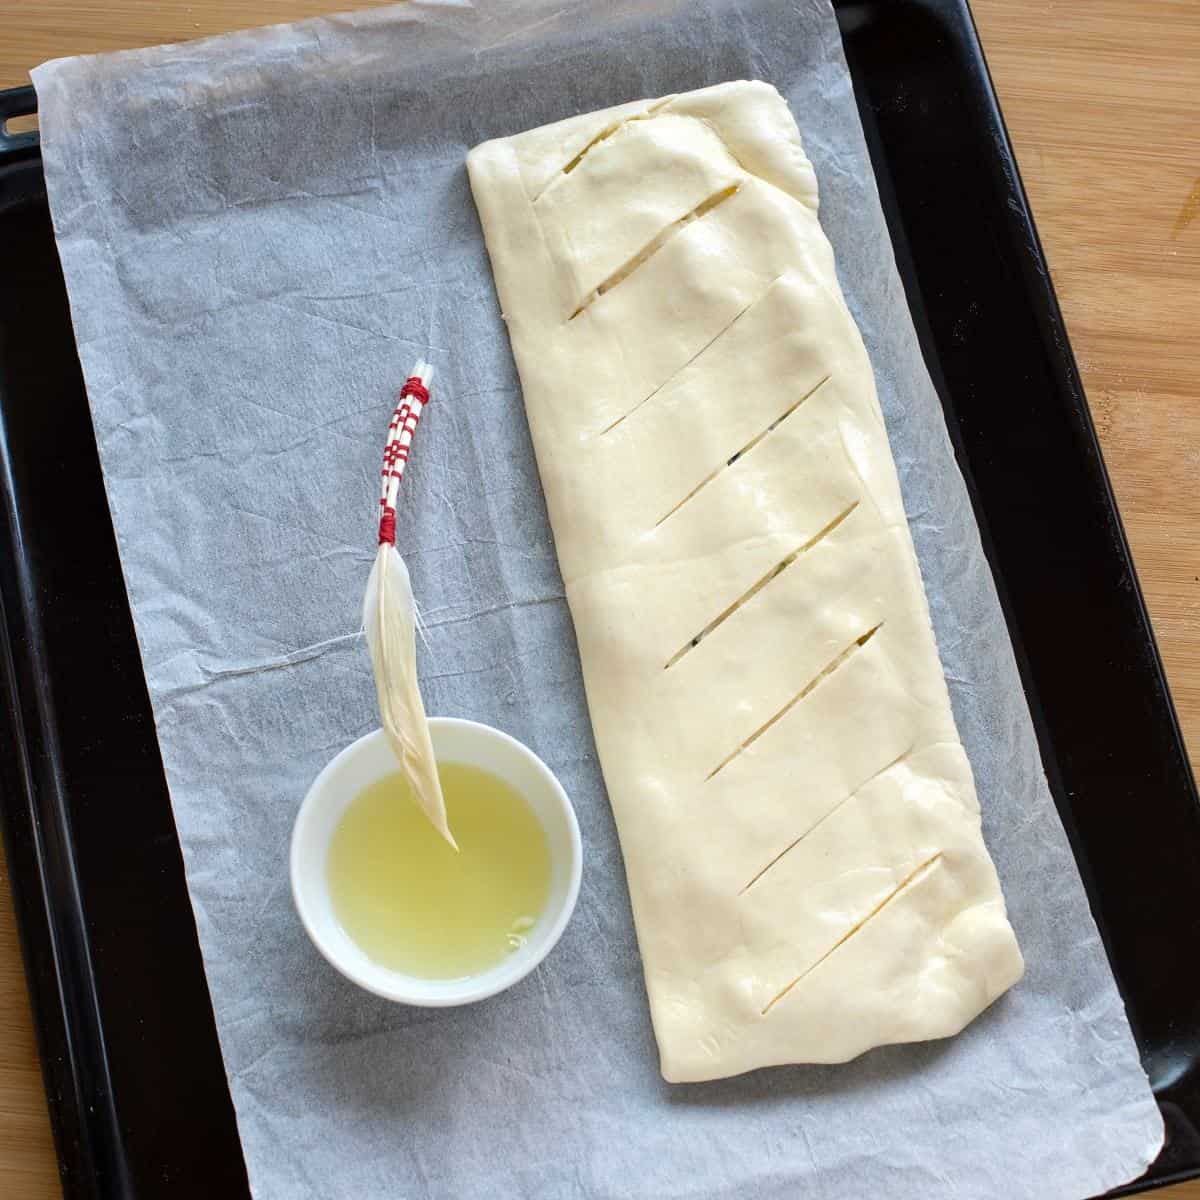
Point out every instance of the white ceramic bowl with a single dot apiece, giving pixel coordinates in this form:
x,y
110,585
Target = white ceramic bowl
x,y
370,758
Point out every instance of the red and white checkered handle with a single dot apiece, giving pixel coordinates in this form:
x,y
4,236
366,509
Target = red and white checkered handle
x,y
414,395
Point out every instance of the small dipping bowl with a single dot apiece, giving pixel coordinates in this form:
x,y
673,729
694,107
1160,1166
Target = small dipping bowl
x,y
369,759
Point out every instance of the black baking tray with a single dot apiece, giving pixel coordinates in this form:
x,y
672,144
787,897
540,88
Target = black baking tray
x,y
136,1086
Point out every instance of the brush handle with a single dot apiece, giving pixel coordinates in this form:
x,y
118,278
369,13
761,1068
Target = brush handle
x,y
414,395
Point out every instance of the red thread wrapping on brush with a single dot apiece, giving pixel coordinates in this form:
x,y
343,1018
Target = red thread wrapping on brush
x,y
414,387
387,527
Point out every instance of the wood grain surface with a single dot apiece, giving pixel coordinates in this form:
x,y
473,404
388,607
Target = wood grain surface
x,y
1102,102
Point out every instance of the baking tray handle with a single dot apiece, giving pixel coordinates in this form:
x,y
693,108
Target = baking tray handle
x,y
16,102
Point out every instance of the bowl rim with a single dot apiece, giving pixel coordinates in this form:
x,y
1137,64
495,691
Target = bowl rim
x,y
398,986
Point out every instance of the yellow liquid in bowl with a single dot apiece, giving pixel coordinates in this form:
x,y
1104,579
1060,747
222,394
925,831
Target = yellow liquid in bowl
x,y
415,905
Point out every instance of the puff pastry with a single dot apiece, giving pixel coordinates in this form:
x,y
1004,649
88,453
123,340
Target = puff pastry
x,y
796,812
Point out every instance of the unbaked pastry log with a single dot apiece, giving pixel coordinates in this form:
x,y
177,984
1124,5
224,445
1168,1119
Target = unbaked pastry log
x,y
797,815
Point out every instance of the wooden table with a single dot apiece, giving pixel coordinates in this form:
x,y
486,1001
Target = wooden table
x,y
1102,102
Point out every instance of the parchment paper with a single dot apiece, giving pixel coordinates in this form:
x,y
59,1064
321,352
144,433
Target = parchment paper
x,y
260,234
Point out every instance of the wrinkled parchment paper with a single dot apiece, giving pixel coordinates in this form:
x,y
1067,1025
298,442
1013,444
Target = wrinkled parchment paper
x,y
260,234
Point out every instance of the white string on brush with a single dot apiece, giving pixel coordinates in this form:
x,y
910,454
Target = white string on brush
x,y
390,619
